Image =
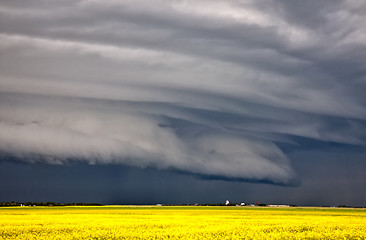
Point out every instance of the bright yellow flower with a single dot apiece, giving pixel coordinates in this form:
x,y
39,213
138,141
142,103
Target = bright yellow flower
x,y
127,222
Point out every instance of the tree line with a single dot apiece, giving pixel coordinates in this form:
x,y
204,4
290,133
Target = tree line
x,y
50,204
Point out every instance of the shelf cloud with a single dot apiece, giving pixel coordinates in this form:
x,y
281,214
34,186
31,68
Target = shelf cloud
x,y
206,87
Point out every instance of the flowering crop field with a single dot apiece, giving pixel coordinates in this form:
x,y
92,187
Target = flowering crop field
x,y
147,222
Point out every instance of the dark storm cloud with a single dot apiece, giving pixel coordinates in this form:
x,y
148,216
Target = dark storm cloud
x,y
328,180
207,87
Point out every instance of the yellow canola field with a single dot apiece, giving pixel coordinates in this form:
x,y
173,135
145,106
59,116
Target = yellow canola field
x,y
128,222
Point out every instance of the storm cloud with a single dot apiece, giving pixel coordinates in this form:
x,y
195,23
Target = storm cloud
x,y
211,88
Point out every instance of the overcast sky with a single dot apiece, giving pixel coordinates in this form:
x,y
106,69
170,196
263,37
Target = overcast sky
x,y
195,100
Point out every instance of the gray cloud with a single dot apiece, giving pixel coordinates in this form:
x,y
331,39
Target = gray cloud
x,y
55,130
207,87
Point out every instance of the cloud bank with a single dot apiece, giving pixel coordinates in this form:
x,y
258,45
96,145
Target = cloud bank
x,y
205,87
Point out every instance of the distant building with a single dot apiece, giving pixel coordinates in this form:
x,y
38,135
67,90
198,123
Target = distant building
x,y
227,202
278,205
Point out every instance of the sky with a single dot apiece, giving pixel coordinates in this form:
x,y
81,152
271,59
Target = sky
x,y
145,102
